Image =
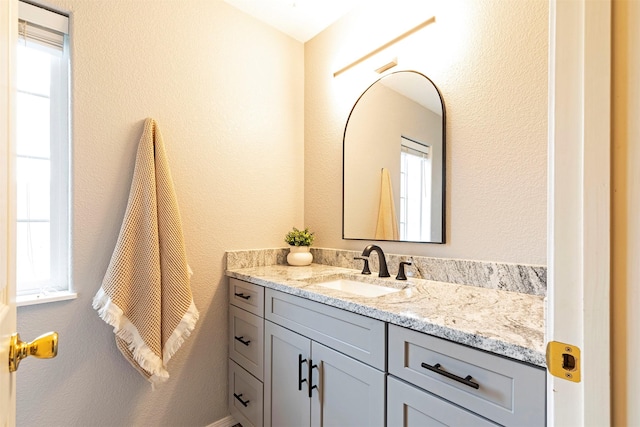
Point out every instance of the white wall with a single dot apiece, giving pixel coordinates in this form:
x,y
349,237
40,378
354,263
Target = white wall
x,y
489,60
227,92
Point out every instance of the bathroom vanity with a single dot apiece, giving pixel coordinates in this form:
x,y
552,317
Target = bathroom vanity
x,y
303,352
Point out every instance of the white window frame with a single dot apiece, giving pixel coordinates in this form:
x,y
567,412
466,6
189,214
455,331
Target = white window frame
x,y
51,30
410,147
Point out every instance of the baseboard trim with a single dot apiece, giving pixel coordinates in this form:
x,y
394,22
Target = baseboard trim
x,y
227,421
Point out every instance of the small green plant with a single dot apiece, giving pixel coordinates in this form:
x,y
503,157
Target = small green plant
x,y
299,237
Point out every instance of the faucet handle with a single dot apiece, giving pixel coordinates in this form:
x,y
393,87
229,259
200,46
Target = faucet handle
x,y
401,275
365,269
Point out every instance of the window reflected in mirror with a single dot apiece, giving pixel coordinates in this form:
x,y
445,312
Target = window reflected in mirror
x,y
415,191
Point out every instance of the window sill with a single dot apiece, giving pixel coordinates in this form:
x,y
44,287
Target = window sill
x,y
25,300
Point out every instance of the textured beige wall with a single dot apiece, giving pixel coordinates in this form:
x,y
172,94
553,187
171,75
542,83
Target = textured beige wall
x,y
489,60
625,231
227,92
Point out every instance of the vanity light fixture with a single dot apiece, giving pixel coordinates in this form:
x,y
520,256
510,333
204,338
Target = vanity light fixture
x,y
384,46
389,65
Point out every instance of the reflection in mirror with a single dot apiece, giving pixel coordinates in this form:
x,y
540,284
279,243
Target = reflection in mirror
x,y
393,165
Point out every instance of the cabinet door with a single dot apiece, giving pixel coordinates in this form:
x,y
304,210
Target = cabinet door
x,y
408,406
349,393
286,390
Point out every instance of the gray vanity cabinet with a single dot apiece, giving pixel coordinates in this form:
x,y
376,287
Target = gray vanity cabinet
x,y
350,393
245,396
446,377
246,350
297,362
287,401
307,382
408,406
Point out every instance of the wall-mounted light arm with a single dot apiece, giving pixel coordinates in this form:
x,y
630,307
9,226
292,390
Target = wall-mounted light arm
x,y
384,46
389,65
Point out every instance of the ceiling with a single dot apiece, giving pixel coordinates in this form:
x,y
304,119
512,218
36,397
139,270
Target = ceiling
x,y
301,19
417,88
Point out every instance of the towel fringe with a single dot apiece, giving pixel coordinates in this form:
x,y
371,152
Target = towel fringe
x,y
124,329
107,310
182,331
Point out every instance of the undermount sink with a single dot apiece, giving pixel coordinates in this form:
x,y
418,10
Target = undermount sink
x,y
358,288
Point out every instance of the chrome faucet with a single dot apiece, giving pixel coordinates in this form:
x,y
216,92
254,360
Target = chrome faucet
x,y
384,272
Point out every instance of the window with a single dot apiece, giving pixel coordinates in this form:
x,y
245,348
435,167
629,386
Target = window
x,y
43,152
415,191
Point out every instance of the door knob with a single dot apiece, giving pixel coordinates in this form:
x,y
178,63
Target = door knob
x,y
43,347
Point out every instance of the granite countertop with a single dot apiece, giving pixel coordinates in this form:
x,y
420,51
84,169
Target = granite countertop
x,y
506,323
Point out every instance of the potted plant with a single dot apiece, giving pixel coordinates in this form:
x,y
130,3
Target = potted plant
x,y
299,242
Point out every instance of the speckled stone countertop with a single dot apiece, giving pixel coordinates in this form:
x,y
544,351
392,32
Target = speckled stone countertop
x,y
506,323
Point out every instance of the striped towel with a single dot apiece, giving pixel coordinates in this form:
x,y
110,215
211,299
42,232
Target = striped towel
x,y
145,294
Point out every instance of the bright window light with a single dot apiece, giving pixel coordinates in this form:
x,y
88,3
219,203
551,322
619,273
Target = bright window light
x,y
42,163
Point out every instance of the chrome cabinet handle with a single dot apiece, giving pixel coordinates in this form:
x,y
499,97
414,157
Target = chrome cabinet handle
x,y
466,380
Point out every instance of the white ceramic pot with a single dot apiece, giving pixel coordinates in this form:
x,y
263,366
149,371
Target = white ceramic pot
x,y
299,255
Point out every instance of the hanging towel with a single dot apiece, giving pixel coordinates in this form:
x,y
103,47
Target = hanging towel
x,y
145,294
387,226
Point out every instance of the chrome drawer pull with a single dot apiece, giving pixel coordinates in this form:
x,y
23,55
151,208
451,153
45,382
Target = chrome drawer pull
x,y
243,341
245,403
466,380
243,296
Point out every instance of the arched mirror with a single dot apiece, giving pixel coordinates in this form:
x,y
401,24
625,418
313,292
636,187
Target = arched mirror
x,y
394,162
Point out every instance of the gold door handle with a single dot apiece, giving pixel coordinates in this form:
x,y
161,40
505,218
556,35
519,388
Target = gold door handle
x,y
43,347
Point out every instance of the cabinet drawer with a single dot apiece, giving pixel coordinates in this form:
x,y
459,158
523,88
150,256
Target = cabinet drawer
x,y
246,340
245,396
355,335
507,392
247,296
408,406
